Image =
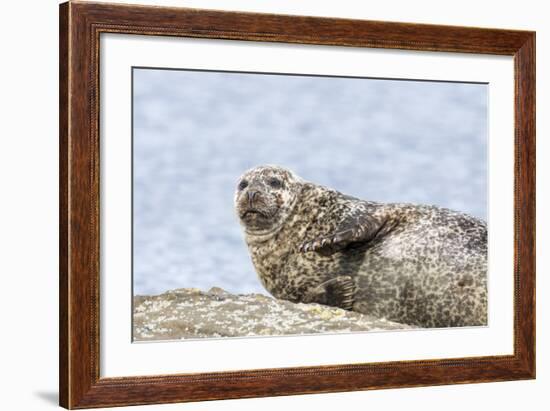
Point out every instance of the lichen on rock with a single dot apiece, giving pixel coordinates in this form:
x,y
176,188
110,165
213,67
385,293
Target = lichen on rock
x,y
189,313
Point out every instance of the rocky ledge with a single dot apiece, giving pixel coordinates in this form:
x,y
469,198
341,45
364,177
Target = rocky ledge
x,y
190,313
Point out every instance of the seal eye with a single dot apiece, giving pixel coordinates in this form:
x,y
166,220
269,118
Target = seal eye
x,y
243,184
275,183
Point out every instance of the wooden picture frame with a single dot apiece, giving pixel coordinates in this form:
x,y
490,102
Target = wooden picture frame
x,y
80,27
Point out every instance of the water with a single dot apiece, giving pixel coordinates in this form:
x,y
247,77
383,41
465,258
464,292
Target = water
x,y
196,132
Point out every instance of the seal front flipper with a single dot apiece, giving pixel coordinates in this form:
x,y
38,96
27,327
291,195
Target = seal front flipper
x,y
356,228
336,292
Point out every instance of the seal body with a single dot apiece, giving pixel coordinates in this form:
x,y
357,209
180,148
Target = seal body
x,y
414,264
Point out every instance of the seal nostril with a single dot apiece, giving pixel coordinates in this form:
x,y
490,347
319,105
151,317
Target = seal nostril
x,y
251,195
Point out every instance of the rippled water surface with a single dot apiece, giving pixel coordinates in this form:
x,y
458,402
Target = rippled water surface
x,y
196,132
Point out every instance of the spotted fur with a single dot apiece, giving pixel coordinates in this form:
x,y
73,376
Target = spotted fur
x,y
415,264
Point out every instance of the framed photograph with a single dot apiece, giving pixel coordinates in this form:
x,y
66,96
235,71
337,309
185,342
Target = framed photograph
x,y
258,205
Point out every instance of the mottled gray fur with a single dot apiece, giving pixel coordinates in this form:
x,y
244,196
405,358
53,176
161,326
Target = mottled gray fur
x,y
415,264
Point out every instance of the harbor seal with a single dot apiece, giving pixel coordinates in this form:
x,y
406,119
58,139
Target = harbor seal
x,y
415,264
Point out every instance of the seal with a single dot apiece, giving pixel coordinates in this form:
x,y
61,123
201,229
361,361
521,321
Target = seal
x,y
415,264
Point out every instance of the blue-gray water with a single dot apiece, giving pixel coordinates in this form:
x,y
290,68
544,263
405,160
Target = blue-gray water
x,y
196,132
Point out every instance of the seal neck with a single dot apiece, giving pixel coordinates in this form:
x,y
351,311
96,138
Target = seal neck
x,y
262,237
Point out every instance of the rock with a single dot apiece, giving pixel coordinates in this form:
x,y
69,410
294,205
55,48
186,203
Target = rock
x,y
191,313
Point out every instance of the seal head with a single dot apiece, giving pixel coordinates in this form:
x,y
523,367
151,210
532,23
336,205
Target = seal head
x,y
264,198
